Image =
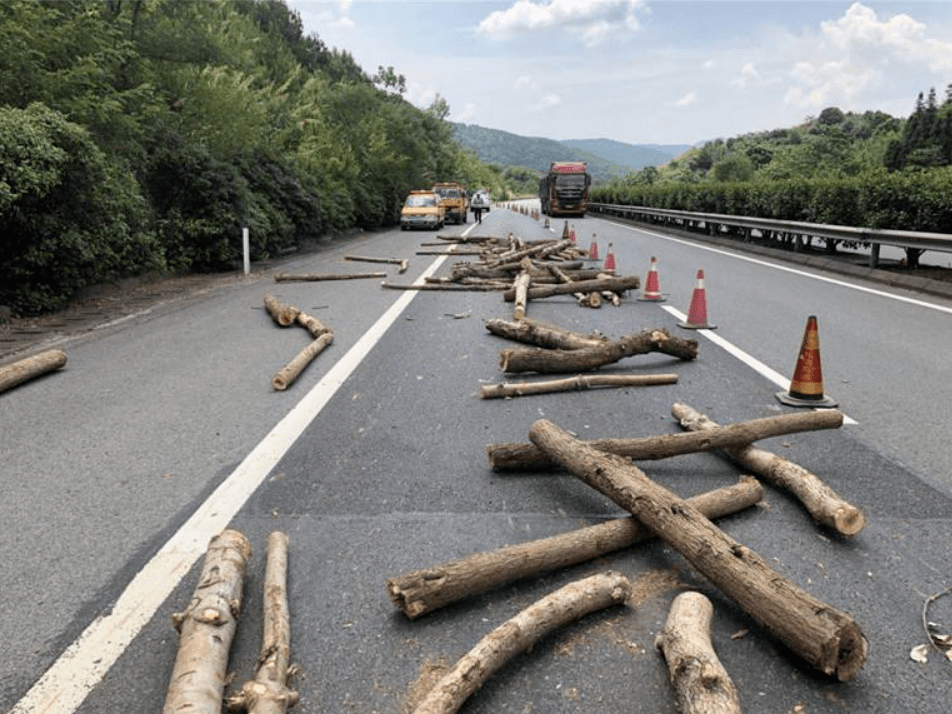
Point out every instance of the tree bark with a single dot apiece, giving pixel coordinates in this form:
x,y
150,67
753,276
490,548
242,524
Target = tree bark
x,y
312,325
701,684
529,457
822,502
29,368
315,277
543,335
281,312
422,591
825,637
583,360
268,692
403,263
619,284
207,628
578,382
292,370
519,634
521,287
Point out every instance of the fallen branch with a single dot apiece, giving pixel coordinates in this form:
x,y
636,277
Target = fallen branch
x,y
822,502
589,358
29,368
315,277
521,287
268,692
701,684
402,262
519,634
281,312
207,628
312,324
825,637
529,457
422,591
451,287
578,382
292,370
542,335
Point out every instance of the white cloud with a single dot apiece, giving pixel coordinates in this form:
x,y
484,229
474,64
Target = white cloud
x,y
524,82
748,75
593,20
687,99
859,53
547,102
465,116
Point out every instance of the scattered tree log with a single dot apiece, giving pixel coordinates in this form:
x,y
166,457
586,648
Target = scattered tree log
x,y
519,634
449,287
701,684
824,636
281,312
268,692
316,277
578,382
451,251
207,628
619,284
402,262
292,370
521,287
29,368
422,591
822,502
537,252
312,324
529,457
589,358
543,335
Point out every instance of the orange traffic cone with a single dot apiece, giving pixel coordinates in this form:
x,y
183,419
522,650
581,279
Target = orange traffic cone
x,y
806,387
651,293
593,249
609,259
697,313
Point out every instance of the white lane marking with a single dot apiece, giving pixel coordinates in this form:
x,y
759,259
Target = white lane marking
x,y
752,362
787,269
67,683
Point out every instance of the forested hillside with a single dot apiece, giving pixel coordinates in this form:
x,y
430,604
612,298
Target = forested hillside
x,y
861,169
144,134
606,159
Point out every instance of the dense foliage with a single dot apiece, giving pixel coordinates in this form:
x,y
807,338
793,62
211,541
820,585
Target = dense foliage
x,y
870,170
144,134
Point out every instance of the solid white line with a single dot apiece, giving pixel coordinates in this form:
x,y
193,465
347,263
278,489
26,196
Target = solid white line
x,y
787,269
67,683
752,362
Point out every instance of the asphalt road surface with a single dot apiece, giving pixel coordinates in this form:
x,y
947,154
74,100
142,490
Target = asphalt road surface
x,y
163,429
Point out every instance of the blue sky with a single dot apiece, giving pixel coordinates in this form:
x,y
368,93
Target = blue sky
x,y
647,71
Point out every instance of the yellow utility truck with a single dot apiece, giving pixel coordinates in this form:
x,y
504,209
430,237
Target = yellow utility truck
x,y
453,197
422,209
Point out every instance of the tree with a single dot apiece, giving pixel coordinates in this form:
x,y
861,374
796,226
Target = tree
x,y
439,108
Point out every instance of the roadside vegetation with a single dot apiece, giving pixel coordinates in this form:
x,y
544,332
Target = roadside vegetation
x,y
140,135
870,170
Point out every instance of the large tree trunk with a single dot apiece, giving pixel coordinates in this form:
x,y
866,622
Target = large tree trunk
x,y
25,369
268,692
579,382
519,634
207,628
529,457
823,503
422,591
589,358
824,636
701,684
281,312
542,335
619,284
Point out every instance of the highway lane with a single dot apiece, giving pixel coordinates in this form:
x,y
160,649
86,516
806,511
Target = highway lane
x,y
392,476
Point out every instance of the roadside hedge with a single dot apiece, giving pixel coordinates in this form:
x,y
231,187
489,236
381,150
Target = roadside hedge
x,y
915,200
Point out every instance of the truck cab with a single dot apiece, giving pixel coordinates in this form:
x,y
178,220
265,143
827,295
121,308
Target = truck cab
x,y
453,196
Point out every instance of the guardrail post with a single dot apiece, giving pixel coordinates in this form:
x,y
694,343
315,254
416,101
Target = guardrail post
x,y
874,255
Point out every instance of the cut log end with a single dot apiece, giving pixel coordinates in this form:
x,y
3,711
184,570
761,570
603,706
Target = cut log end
x,y
849,520
850,656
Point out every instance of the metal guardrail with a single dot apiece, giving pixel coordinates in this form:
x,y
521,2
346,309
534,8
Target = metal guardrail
x,y
716,222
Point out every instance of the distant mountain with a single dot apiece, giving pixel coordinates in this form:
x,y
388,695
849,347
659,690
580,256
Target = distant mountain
x,y
606,158
637,156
